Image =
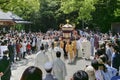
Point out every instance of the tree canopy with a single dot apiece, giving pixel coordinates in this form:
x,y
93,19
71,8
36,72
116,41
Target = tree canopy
x,y
83,7
22,8
46,14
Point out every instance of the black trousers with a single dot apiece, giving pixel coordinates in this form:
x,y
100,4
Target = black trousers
x,y
23,54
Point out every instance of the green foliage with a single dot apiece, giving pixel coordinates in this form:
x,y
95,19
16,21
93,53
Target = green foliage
x,y
83,7
46,14
22,8
117,10
70,6
105,14
47,17
19,27
86,9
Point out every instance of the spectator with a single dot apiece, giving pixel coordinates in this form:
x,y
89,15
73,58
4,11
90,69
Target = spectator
x,y
116,57
18,46
115,78
11,52
98,74
98,53
109,52
92,45
106,73
112,71
24,44
80,75
28,47
5,65
32,73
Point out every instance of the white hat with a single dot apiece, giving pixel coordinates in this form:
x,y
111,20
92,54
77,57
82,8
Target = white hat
x,y
90,72
48,66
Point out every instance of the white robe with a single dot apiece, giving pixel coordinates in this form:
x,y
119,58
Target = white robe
x,y
79,48
86,46
59,69
51,54
61,50
40,60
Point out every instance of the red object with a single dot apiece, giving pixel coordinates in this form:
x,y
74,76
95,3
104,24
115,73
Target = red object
x,y
28,46
18,48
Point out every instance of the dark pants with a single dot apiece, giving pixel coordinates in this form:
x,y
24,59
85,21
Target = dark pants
x,y
33,49
28,51
23,54
18,55
11,56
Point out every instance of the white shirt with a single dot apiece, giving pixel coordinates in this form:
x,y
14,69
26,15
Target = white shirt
x,y
2,49
24,46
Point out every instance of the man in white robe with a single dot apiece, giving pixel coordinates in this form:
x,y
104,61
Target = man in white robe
x,y
79,48
86,46
58,48
51,54
40,59
59,68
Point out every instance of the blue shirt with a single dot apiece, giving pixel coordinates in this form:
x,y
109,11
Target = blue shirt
x,y
115,78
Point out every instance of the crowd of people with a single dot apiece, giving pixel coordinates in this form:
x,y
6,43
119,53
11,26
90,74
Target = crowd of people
x,y
52,50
